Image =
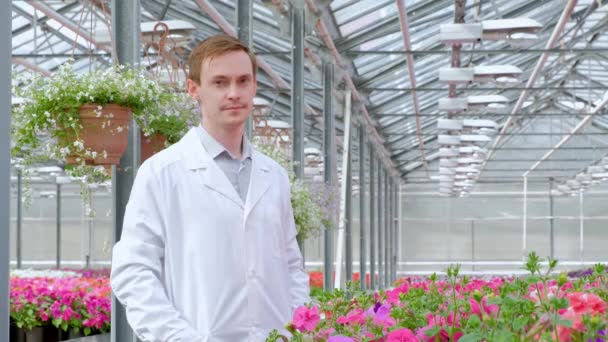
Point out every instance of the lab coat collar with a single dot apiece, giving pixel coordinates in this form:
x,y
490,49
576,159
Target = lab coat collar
x,y
196,157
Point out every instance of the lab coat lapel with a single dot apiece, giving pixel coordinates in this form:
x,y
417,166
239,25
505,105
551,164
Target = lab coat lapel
x,y
260,181
210,175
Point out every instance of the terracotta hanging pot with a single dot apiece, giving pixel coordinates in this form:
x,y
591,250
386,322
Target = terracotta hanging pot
x,y
106,132
151,145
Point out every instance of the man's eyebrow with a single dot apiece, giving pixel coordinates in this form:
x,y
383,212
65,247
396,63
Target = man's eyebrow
x,y
227,77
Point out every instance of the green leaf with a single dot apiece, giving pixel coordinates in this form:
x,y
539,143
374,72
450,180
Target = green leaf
x,y
532,279
474,322
519,323
432,332
87,331
565,322
470,338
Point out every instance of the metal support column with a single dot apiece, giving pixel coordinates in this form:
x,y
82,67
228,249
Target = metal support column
x,y
244,32
525,219
5,160
329,164
58,224
125,35
551,221
396,229
348,226
19,205
380,226
343,187
362,229
473,243
386,230
297,88
581,224
389,238
372,219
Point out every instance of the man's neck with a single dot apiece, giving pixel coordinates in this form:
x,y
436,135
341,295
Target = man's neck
x,y
231,139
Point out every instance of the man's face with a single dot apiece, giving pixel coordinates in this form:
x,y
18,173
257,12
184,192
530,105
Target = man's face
x,y
226,90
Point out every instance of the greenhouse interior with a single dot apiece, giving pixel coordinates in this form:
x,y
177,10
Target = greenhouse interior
x,y
446,163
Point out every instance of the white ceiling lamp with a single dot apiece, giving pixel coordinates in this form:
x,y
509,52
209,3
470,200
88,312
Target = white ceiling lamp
x,y
276,124
261,106
460,33
583,179
519,32
493,103
453,104
444,162
500,29
470,160
480,74
478,123
446,171
474,138
445,139
312,151
446,178
448,152
466,170
572,184
449,125
487,103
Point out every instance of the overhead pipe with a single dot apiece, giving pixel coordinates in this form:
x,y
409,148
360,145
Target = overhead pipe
x,y
574,131
563,20
407,44
51,13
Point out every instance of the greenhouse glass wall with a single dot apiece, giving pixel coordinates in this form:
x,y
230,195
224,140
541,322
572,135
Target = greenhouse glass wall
x,y
447,163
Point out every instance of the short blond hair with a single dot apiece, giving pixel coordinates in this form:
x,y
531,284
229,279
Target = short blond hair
x,y
214,46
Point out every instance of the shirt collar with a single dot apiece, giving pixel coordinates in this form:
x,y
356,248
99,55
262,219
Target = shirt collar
x,y
214,148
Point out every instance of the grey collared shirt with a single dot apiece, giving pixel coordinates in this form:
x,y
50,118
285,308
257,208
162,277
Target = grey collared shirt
x,y
237,171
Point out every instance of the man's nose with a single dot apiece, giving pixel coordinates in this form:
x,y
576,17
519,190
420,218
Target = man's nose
x,y
233,91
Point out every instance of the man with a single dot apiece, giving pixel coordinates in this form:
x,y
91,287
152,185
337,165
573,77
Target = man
x,y
208,250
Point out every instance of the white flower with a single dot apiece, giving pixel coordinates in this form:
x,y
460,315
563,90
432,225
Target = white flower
x,y
78,144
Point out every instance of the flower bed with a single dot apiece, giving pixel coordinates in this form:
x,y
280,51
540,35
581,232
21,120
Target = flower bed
x,y
532,308
69,300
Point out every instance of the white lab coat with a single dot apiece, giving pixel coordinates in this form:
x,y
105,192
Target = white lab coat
x,y
195,263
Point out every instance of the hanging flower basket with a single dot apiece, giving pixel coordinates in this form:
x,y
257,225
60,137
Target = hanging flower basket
x,y
104,132
150,145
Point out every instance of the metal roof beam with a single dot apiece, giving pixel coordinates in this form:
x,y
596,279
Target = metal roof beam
x,y
536,72
67,23
366,120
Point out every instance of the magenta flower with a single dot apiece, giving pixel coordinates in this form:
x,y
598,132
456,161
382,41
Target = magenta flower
x,y
305,319
353,317
401,335
338,338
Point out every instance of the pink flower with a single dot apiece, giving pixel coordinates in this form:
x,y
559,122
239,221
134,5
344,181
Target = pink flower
x,y
353,317
305,319
586,302
401,335
324,334
382,317
476,309
338,338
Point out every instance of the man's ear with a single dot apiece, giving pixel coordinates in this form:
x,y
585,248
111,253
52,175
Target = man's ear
x,y
192,88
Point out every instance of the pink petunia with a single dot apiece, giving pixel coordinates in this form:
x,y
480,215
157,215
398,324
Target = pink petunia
x,y
305,319
401,335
